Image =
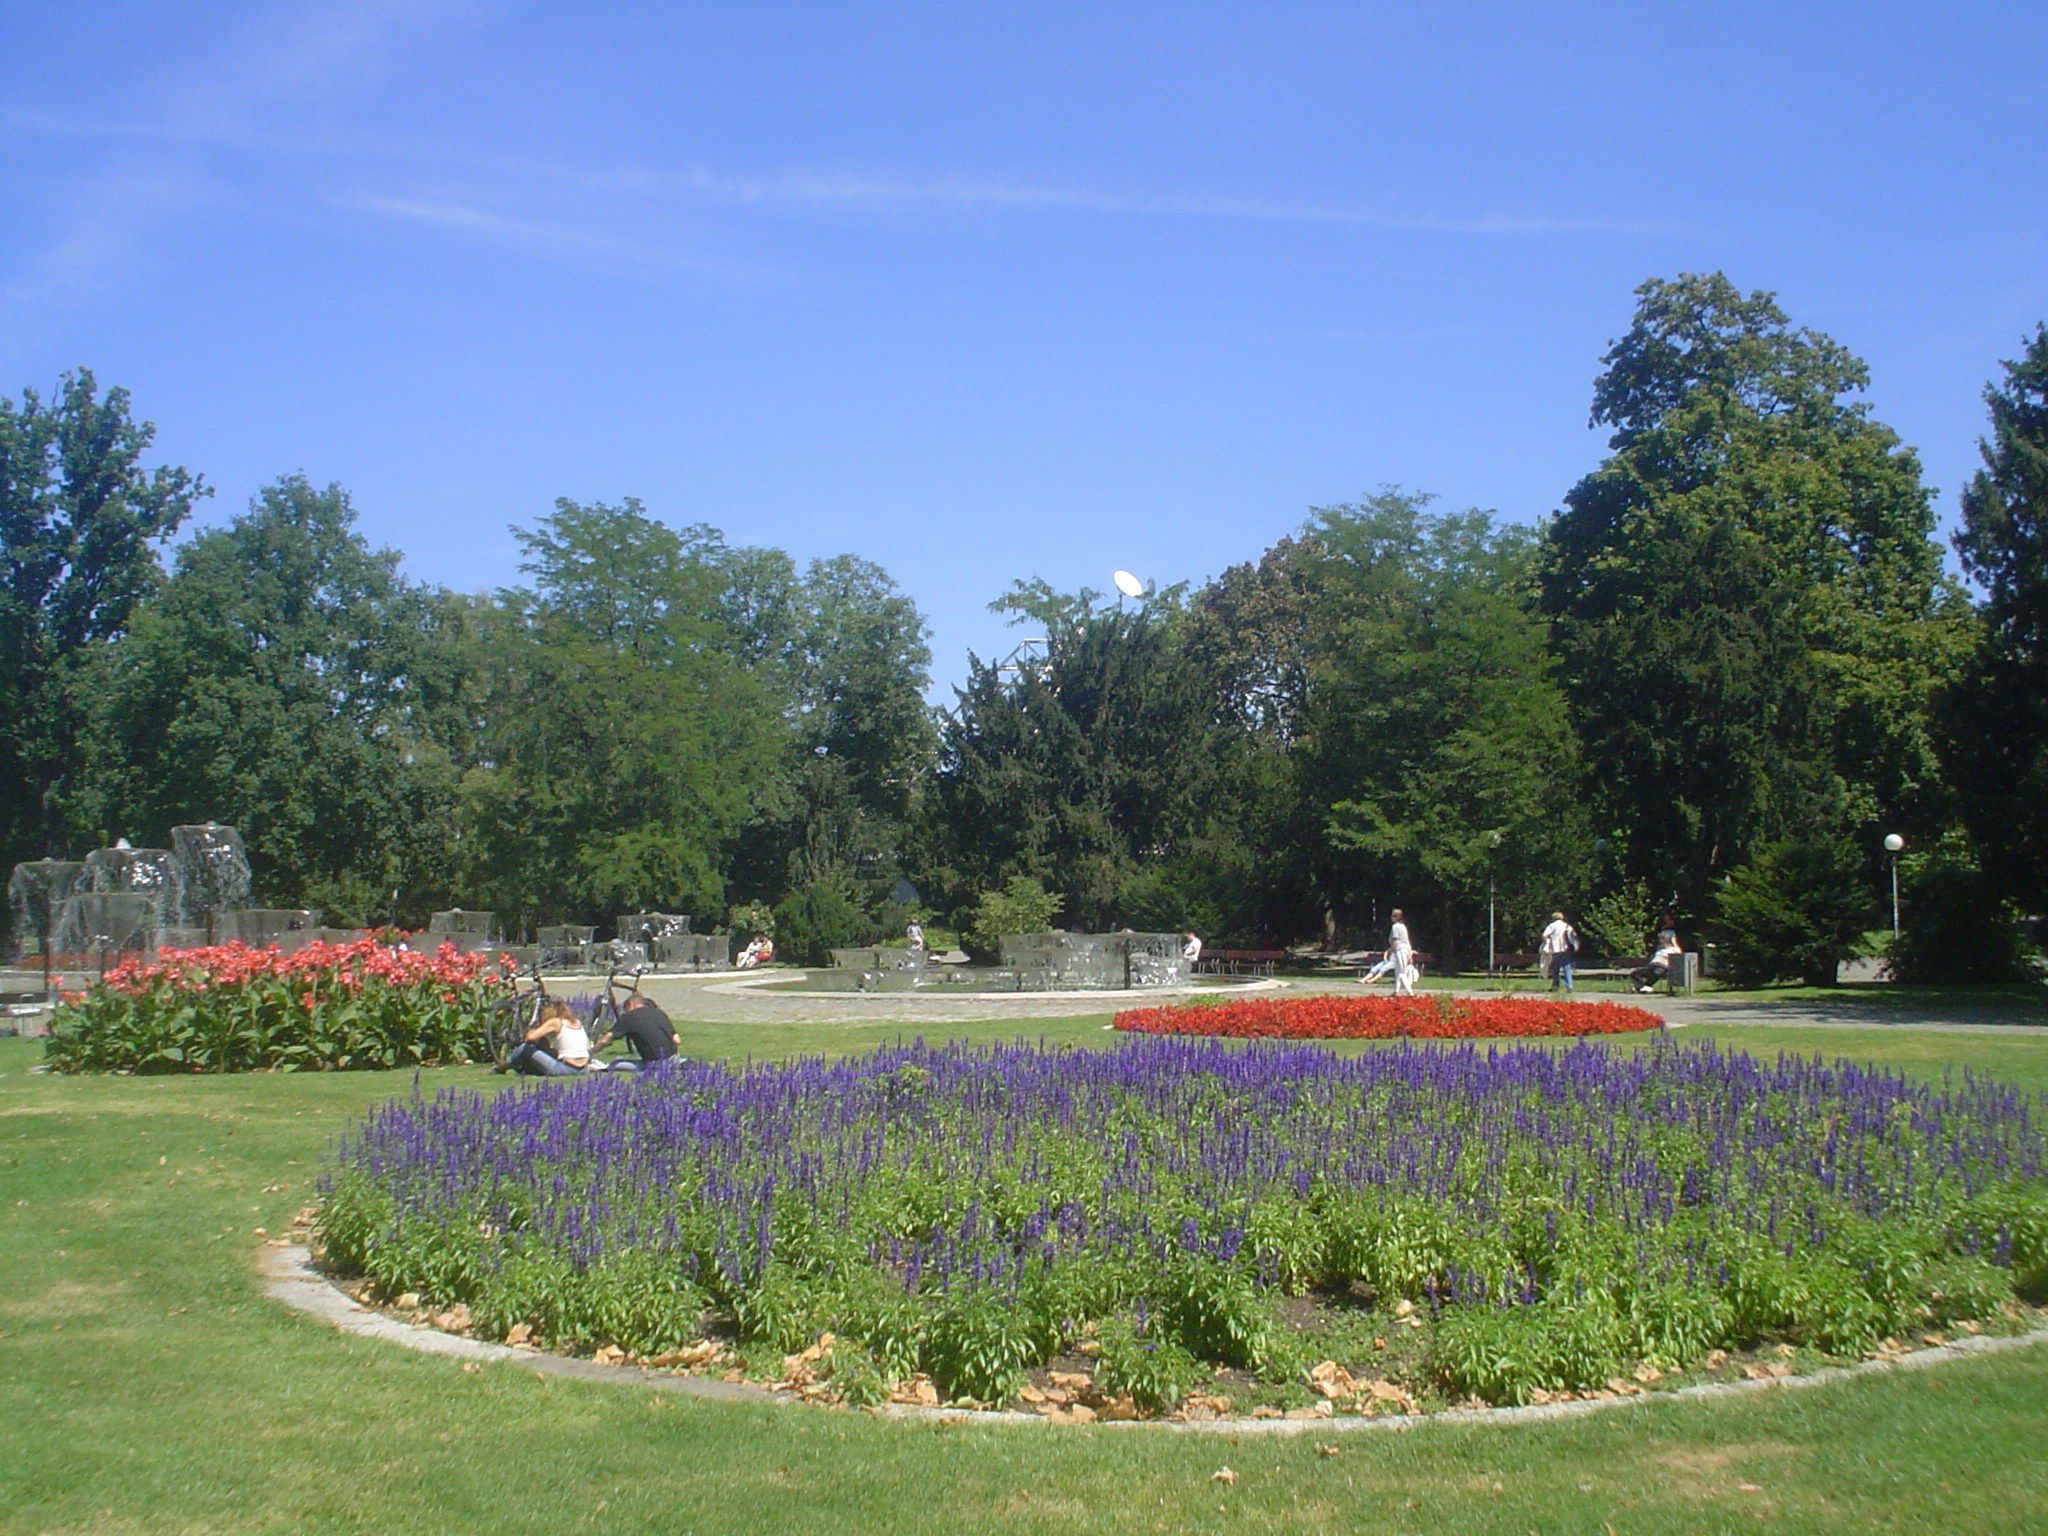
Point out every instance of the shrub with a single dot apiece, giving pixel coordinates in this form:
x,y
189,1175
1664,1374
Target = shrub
x,y
1621,921
816,919
750,917
1794,912
1155,1370
978,1348
1953,927
1023,905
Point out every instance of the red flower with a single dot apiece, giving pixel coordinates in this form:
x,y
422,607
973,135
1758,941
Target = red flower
x,y
1383,1018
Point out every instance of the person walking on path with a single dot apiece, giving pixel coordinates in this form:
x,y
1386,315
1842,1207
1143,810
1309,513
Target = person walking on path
x,y
1560,943
1402,952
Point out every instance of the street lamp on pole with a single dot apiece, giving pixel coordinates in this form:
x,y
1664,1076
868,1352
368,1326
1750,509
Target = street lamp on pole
x,y
1892,844
1492,843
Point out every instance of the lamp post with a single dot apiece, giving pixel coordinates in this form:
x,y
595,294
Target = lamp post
x,y
1892,844
1492,843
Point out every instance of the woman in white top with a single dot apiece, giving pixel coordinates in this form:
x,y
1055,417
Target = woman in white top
x,y
1669,953
556,1046
1402,953
572,1042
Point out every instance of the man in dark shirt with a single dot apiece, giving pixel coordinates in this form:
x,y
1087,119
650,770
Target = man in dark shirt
x,y
647,1027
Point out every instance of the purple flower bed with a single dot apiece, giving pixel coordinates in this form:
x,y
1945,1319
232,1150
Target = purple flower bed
x,y
1551,1215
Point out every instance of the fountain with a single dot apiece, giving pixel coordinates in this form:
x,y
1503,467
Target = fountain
x,y
467,931
139,871
36,894
97,928
668,945
565,946
209,877
1031,962
291,929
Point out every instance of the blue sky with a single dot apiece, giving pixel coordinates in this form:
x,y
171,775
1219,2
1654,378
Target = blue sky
x,y
982,292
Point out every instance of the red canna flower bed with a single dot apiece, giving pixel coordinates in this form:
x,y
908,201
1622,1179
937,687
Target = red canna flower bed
x,y
1387,1018
230,1008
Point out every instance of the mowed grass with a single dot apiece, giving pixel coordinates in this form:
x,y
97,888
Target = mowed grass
x,y
146,1385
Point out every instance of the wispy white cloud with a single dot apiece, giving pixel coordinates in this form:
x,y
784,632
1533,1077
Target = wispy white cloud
x,y
868,191
834,191
580,243
160,168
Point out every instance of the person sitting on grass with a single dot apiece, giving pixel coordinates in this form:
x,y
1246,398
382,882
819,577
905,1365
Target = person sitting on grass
x,y
653,1037
1646,977
557,1046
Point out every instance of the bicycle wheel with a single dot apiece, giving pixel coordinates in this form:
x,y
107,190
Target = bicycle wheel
x,y
509,1019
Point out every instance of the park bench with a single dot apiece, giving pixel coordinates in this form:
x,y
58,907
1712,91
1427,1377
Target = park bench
x,y
1678,979
1239,962
1373,957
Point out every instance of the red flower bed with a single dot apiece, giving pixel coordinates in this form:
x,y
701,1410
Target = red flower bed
x,y
230,1008
1387,1018
347,966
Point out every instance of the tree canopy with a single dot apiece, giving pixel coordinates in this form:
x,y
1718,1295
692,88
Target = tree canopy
x,y
1747,606
1717,676
1998,711
80,523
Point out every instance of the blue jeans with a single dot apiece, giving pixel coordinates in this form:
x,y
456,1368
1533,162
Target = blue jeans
x,y
535,1062
1561,972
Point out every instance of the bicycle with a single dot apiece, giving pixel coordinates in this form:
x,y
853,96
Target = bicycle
x,y
512,1017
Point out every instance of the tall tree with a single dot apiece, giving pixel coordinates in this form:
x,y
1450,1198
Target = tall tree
x,y
275,683
1999,715
80,519
1436,743
1082,768
846,651
1746,601
627,741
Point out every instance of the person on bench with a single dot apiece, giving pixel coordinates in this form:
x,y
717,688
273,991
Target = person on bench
x,y
643,1023
1669,952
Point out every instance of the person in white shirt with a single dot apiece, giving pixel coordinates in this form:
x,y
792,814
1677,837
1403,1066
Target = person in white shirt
x,y
1191,951
1669,951
556,1046
1402,953
572,1043
1559,944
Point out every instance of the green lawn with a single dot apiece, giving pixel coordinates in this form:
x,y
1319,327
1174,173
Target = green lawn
x,y
146,1385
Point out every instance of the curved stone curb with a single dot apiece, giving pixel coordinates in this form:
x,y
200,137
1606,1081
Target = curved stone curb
x,y
289,1277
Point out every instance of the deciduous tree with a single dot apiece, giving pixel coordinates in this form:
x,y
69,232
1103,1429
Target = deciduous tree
x,y
273,684
1746,602
1998,717
80,520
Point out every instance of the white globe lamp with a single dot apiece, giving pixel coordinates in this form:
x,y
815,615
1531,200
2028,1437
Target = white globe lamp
x,y
1892,844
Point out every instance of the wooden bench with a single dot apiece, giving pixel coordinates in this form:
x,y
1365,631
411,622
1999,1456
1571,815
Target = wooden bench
x,y
1239,962
1374,956
1678,979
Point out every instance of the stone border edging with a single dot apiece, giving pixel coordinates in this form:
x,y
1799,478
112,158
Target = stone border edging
x,y
289,1277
